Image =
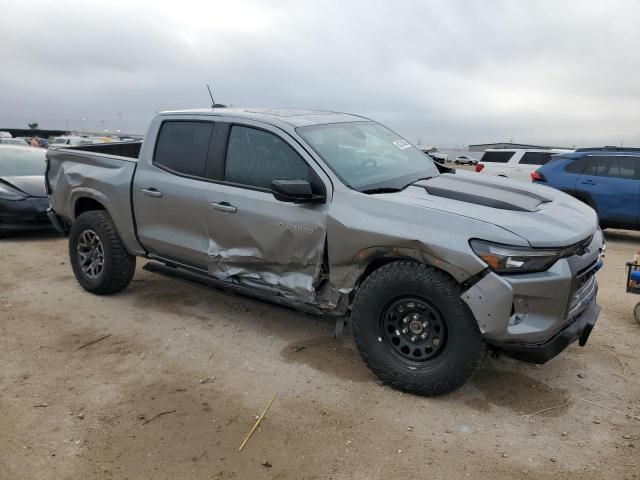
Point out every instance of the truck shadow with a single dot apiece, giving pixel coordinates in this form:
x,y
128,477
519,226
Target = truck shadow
x,y
309,341
335,356
513,389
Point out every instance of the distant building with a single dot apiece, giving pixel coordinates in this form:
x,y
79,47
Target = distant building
x,y
481,147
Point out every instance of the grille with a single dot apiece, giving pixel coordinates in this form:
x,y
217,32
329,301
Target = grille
x,y
582,296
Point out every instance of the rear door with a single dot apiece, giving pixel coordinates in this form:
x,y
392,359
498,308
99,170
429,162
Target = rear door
x,y
497,163
170,193
254,238
611,183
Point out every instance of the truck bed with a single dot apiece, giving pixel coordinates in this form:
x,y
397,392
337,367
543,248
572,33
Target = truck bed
x,y
118,149
89,177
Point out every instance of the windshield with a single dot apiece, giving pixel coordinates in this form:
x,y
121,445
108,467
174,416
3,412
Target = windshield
x,y
368,156
21,161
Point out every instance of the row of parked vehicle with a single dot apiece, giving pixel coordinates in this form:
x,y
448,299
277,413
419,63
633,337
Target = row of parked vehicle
x,y
61,141
606,178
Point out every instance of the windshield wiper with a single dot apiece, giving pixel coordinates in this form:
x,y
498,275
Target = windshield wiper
x,y
416,181
392,189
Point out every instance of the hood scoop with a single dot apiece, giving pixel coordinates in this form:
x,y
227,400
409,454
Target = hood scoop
x,y
488,193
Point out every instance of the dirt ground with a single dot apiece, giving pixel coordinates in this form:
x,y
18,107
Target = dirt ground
x,y
211,361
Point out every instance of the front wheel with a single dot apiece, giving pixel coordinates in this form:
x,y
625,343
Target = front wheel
x,y
414,331
98,257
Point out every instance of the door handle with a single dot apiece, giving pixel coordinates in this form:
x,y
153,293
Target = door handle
x,y
151,192
587,182
224,207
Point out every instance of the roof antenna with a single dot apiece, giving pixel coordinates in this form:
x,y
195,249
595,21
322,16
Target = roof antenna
x,y
213,102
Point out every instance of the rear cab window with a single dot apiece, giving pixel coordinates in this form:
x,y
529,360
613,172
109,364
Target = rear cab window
x,y
496,157
183,147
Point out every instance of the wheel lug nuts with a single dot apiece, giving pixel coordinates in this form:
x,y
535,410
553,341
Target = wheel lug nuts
x,y
423,336
404,330
413,339
424,325
405,320
415,316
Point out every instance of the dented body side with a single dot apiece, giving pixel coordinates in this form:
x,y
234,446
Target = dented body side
x,y
74,176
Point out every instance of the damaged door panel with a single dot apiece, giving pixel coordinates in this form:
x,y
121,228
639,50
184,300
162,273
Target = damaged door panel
x,y
254,238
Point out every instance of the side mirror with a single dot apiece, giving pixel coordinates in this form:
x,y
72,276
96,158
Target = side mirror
x,y
294,191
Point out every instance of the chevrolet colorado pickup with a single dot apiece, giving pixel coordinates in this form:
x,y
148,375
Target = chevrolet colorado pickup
x,y
335,215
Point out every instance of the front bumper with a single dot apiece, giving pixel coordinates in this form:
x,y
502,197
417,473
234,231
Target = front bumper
x,y
536,316
24,215
578,328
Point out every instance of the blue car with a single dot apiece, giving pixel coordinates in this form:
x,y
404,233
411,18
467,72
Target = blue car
x,y
607,179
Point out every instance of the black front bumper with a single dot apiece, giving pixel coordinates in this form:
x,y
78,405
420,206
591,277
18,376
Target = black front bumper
x,y
24,215
579,328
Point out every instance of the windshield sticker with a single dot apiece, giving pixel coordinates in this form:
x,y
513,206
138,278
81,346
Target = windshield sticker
x,y
402,144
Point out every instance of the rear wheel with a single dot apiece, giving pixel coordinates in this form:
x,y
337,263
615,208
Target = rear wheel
x,y
98,257
414,331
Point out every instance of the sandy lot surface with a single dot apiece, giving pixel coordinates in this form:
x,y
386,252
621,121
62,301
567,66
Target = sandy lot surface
x,y
70,411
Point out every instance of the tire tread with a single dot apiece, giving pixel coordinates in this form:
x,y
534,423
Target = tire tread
x,y
458,372
121,266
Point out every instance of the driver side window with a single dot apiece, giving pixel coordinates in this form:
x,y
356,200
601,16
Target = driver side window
x,y
255,158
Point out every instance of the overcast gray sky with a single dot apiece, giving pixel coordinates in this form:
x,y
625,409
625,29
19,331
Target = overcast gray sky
x,y
447,72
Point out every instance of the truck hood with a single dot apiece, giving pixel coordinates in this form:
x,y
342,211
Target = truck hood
x,y
542,216
31,185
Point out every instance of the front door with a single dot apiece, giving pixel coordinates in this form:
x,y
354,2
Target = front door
x,y
254,238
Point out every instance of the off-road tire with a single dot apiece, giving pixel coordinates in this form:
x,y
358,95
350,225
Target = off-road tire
x,y
118,266
463,352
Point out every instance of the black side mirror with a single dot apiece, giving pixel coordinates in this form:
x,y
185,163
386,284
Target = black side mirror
x,y
294,191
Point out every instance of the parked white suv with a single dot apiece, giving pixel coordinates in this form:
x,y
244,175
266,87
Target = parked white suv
x,y
515,163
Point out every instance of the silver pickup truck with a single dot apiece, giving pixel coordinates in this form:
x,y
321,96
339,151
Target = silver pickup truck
x,y
336,215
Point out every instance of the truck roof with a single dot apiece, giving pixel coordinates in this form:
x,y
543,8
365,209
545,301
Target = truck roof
x,y
291,117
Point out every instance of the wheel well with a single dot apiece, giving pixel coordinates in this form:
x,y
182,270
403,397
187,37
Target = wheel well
x,y
85,204
376,263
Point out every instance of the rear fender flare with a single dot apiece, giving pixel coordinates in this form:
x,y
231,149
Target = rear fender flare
x,y
130,242
83,192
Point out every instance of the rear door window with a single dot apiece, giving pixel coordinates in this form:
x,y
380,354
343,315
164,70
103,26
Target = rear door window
x,y
255,158
577,166
612,166
182,147
497,157
535,158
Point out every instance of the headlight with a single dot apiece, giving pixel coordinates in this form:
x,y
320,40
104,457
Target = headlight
x,y
508,259
8,193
